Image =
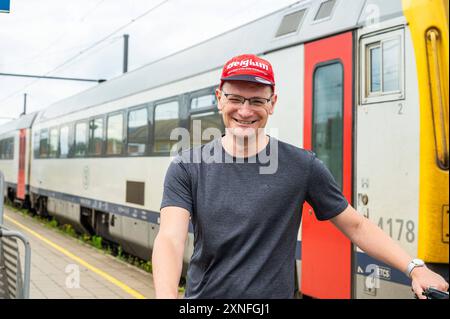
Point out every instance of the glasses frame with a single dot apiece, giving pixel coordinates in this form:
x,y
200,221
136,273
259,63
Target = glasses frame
x,y
243,99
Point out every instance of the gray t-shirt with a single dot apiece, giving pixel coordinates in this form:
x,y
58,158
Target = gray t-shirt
x,y
245,222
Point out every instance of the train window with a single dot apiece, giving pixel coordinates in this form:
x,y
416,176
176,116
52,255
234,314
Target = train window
x,y
382,67
114,135
96,136
7,148
137,131
36,144
10,151
11,148
205,117
64,141
204,127
325,10
166,120
80,139
327,135
391,65
2,149
205,101
375,66
43,143
53,151
290,23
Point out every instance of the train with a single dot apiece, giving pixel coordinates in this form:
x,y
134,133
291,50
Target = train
x,y
363,84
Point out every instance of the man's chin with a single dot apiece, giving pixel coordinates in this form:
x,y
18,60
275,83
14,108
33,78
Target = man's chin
x,y
244,133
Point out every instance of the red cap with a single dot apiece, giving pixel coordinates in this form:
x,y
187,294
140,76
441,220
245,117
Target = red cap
x,y
248,67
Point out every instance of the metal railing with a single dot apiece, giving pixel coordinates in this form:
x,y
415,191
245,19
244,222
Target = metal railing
x,y
14,283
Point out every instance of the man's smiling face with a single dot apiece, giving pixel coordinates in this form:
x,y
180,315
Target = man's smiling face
x,y
244,120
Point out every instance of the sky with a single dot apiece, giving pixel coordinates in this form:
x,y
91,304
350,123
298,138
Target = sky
x,y
84,39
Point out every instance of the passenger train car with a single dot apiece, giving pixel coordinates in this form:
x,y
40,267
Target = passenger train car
x,y
15,157
364,84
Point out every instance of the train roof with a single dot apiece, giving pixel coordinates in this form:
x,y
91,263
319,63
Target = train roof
x,y
307,19
25,121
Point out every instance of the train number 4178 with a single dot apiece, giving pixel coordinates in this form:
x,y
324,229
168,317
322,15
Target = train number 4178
x,y
398,228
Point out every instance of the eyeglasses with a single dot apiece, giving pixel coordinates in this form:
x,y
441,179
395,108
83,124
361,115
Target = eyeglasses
x,y
255,101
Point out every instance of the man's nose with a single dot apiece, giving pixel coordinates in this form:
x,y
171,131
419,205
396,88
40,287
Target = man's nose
x,y
245,109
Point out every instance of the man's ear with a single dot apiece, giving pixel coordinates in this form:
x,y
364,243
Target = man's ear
x,y
272,105
218,97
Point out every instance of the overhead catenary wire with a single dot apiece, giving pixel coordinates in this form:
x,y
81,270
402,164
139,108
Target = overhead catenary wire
x,y
46,75
62,35
111,34
48,56
87,49
96,50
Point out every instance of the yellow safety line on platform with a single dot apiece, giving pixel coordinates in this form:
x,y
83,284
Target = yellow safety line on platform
x,y
99,272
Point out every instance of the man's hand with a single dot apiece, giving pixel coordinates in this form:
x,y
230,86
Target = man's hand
x,y
423,278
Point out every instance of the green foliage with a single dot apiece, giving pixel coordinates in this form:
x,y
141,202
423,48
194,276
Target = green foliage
x,y
85,237
53,223
96,241
68,229
146,265
120,253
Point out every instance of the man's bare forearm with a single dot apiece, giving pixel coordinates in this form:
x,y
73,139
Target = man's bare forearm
x,y
376,243
167,262
371,239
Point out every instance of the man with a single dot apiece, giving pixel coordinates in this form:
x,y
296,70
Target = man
x,y
246,222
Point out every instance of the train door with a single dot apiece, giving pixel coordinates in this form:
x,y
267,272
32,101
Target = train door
x,y
387,154
326,252
20,193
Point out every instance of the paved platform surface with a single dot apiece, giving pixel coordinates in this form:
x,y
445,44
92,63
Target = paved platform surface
x,y
65,267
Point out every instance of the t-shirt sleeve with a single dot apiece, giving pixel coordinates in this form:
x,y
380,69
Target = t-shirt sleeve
x,y
323,193
177,187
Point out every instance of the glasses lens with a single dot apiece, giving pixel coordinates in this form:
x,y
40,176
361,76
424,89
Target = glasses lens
x,y
258,102
235,99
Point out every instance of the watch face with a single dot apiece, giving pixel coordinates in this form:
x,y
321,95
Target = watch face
x,y
418,262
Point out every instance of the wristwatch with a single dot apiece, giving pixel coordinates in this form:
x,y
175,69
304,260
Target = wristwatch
x,y
413,264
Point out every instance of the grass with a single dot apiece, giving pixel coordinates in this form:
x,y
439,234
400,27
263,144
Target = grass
x,y
68,229
53,223
97,242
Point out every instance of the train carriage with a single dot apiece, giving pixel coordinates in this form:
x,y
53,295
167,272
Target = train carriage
x,y
15,157
364,84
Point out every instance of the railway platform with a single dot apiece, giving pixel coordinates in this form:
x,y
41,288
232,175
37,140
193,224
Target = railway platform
x,y
63,267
